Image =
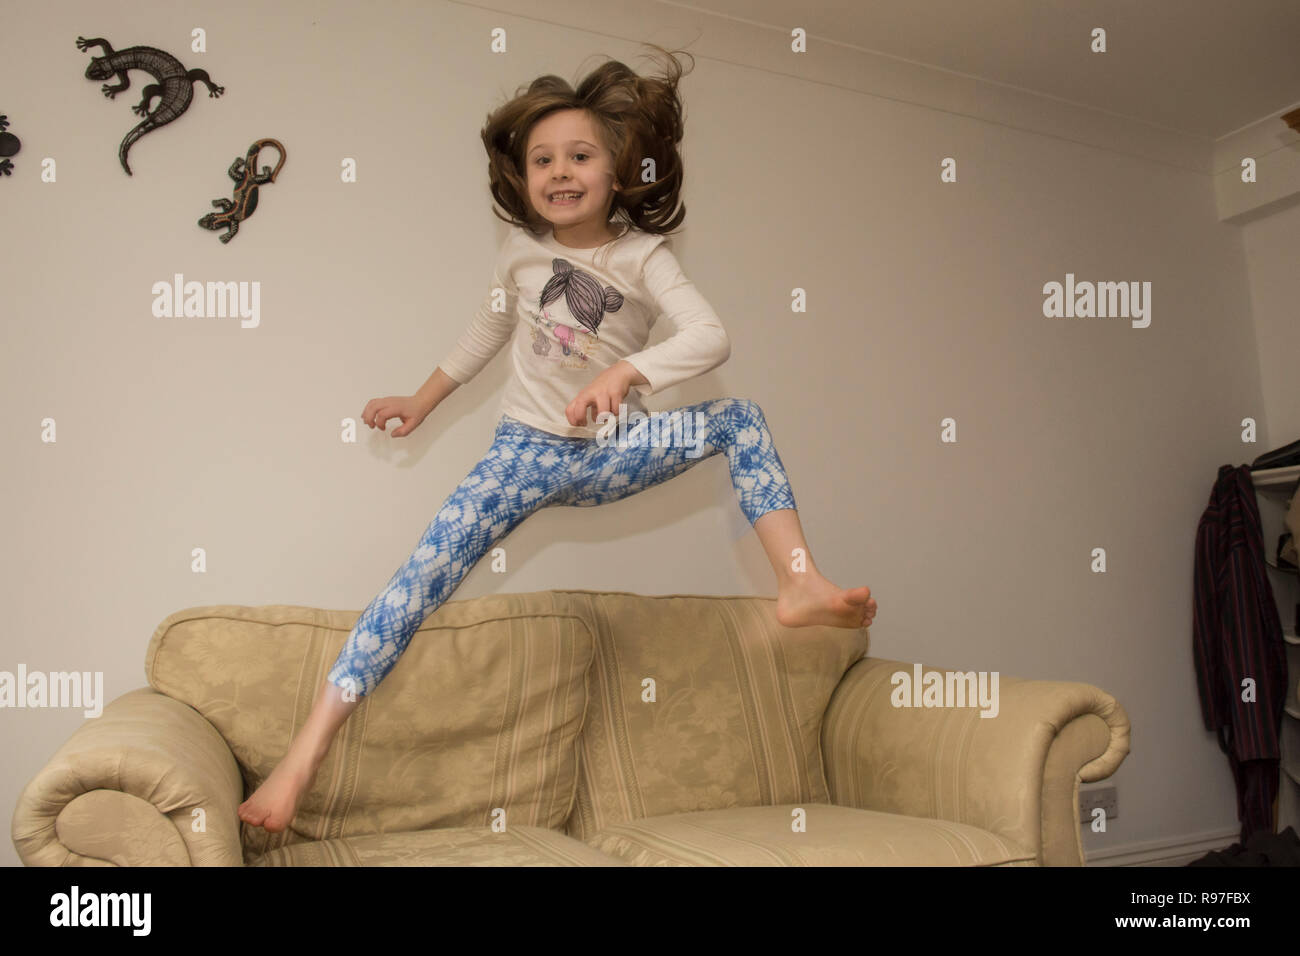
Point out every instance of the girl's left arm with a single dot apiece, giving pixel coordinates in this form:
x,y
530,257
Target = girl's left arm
x,y
700,343
633,376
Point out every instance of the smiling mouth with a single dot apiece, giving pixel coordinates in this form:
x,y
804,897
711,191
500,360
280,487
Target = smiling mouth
x,y
565,198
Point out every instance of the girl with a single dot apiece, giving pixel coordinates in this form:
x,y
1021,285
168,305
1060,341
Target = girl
x,y
567,166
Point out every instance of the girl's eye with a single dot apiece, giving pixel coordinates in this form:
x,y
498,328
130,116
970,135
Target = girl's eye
x,y
541,158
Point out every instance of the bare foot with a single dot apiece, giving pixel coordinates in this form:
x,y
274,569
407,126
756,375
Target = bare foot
x,y
273,804
811,599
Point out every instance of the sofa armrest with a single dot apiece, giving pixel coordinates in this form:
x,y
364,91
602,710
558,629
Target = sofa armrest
x,y
1015,774
122,790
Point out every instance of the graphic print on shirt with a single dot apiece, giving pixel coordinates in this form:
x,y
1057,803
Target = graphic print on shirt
x,y
587,302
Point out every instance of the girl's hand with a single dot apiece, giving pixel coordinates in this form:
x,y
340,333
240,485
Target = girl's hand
x,y
605,394
408,408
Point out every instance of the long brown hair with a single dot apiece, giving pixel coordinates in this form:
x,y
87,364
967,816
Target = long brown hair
x,y
637,117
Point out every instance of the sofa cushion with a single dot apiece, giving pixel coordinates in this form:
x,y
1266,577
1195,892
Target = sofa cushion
x,y
738,708
832,836
454,846
481,712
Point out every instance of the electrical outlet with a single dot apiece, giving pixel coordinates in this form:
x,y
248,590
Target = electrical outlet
x,y
1105,797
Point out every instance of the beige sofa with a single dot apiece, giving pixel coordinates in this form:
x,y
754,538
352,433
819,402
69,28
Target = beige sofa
x,y
569,728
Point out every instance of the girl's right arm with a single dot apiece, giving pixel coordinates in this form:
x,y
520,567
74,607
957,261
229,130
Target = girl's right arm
x,y
438,387
411,409
488,331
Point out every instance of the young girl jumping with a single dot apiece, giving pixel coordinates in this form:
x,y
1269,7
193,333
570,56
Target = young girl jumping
x,y
567,166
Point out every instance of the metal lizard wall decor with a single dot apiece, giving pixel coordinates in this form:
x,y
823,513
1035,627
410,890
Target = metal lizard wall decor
x,y
247,179
9,146
174,89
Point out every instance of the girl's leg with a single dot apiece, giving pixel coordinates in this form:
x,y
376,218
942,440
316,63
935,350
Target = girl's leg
x,y
521,472
669,443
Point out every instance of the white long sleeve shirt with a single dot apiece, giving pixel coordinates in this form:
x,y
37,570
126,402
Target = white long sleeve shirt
x,y
580,311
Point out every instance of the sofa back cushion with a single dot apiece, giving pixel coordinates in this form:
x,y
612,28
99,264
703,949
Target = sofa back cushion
x,y
481,712
737,711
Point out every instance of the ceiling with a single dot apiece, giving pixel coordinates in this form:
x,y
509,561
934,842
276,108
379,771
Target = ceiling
x,y
1204,67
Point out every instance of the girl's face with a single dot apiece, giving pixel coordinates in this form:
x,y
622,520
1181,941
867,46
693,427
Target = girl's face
x,y
565,156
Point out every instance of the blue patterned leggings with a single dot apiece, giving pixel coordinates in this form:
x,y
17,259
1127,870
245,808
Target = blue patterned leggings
x,y
526,469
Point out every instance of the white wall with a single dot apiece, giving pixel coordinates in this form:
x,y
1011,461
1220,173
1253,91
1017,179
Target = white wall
x,y
1270,245
925,302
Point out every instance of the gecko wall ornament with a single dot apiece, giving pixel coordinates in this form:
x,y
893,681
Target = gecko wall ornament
x,y
9,146
247,179
174,89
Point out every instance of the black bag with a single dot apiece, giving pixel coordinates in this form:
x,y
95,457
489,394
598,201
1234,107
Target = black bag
x,y
1262,849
